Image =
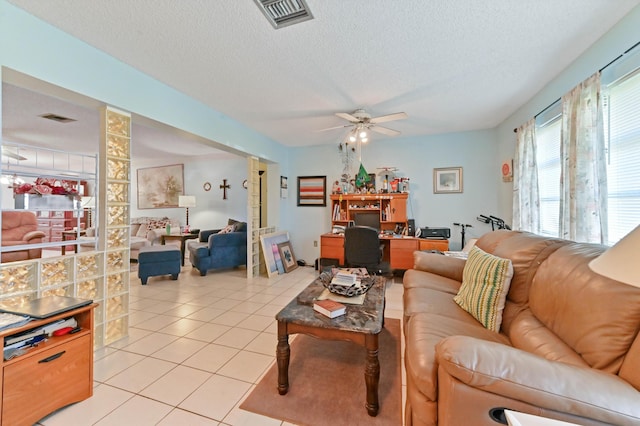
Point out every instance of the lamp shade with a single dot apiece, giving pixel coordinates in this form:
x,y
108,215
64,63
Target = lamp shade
x,y
620,262
186,201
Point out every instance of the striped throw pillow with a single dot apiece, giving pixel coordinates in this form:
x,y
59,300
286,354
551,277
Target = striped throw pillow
x,y
485,283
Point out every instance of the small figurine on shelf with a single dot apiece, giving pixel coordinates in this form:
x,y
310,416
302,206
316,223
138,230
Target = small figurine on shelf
x,y
336,188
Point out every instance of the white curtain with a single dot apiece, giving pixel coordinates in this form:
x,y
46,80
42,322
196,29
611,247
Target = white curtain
x,y
526,199
583,181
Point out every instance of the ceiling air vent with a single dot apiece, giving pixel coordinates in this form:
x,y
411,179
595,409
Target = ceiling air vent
x,y
58,118
282,13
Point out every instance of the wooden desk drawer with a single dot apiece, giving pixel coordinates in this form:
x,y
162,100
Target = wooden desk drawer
x,y
403,244
34,387
332,241
401,253
442,245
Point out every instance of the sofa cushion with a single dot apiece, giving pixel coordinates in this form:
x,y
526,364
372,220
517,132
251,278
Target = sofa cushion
x,y
141,231
485,283
227,229
239,225
596,316
426,330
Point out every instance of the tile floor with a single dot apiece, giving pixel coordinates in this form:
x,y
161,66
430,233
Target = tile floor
x,y
196,348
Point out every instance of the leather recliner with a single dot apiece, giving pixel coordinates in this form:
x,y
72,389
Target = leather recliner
x,y
20,228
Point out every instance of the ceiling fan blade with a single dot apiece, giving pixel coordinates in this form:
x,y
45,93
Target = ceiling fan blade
x,y
389,117
348,117
333,128
385,131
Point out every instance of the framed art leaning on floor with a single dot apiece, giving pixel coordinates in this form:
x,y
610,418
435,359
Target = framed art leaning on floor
x,y
286,254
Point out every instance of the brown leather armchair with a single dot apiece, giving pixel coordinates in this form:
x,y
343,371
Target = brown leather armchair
x,y
20,228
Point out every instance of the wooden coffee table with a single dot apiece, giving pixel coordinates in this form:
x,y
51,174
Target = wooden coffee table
x,y
360,325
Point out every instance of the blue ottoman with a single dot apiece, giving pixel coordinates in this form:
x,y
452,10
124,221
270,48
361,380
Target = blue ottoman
x,y
158,260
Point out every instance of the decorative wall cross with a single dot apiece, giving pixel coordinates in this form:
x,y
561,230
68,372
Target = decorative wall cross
x,y
224,188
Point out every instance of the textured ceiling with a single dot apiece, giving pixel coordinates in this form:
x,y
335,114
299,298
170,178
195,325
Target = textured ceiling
x,y
450,65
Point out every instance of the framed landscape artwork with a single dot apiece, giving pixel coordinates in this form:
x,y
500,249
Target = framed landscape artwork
x,y
312,191
160,187
447,180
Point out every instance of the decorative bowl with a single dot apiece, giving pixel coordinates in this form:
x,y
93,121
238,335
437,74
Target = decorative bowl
x,y
354,290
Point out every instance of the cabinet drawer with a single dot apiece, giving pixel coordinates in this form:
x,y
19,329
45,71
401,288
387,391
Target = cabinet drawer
x,y
38,384
403,244
442,245
332,242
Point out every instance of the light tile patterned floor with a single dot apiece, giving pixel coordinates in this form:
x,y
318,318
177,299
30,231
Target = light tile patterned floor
x,y
196,348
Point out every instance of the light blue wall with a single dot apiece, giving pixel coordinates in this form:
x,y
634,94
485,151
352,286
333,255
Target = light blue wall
x,y
476,152
37,49
620,38
211,211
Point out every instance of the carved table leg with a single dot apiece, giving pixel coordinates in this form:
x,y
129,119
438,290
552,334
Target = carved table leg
x,y
372,374
282,358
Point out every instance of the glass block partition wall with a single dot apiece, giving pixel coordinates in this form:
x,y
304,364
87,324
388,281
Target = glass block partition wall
x,y
101,275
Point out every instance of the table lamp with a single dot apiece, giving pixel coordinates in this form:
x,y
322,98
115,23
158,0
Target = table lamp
x,y
620,262
187,201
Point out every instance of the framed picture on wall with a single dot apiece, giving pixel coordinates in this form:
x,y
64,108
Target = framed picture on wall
x,y
312,191
447,180
160,187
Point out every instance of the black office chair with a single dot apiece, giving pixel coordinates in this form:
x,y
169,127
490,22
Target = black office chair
x,y
362,249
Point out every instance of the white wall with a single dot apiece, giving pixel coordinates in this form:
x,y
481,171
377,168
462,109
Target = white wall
x,y
476,152
211,211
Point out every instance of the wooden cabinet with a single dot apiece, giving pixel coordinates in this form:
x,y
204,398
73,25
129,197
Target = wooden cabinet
x,y
332,247
51,375
391,209
401,252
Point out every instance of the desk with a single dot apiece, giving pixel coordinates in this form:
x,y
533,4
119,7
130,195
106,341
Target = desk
x,y
397,251
179,237
71,235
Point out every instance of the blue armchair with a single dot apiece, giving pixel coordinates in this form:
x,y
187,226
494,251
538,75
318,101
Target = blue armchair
x,y
218,251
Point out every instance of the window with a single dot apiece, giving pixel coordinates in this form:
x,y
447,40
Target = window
x,y
548,160
621,99
622,139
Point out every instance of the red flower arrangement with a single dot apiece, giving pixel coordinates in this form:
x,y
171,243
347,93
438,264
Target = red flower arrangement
x,y
46,186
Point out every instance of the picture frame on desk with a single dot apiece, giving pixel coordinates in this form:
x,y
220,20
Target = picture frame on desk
x,y
447,180
312,191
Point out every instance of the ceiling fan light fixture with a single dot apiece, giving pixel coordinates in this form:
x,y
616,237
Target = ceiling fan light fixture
x,y
363,134
352,138
364,140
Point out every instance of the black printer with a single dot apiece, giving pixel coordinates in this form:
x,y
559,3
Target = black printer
x,y
435,233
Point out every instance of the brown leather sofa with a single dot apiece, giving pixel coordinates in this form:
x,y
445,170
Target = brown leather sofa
x,y
20,228
568,347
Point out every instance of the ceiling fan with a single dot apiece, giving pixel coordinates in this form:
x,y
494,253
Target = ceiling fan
x,y
362,121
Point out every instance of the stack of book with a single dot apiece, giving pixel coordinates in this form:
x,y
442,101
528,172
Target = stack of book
x,y
329,308
345,279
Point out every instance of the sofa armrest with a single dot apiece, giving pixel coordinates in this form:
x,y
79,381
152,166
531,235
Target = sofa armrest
x,y
33,235
446,266
513,373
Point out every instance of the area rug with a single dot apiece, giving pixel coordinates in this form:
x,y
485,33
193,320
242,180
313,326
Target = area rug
x,y
326,383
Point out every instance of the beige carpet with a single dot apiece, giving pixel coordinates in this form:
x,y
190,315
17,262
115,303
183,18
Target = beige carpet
x,y
326,383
